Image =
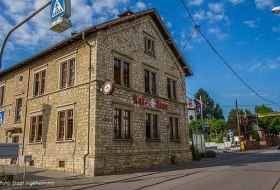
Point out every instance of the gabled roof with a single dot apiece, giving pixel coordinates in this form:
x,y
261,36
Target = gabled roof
x,y
152,12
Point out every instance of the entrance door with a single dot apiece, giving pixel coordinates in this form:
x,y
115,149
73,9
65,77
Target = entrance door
x,y
15,139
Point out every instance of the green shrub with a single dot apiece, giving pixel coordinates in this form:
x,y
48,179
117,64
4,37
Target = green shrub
x,y
195,153
219,138
256,136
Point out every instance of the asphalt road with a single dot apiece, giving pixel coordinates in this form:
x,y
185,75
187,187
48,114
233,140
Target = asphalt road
x,y
256,171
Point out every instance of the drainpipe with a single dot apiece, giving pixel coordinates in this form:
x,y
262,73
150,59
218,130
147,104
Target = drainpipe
x,y
89,98
25,118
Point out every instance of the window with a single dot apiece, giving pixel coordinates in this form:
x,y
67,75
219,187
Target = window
x,y
147,81
39,83
65,125
150,82
149,46
151,122
2,91
121,72
174,128
61,164
67,73
172,89
18,111
122,124
36,130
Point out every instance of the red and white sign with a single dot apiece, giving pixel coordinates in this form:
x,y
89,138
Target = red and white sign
x,y
141,100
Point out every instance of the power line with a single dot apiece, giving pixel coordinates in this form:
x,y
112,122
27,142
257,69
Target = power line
x,y
222,59
186,43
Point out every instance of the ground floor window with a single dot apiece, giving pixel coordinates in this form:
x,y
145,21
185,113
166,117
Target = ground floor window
x,y
65,125
36,129
122,124
151,125
174,128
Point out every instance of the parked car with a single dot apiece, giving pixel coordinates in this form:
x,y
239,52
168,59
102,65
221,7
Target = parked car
x,y
278,146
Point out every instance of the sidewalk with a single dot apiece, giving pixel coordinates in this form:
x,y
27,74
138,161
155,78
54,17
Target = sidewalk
x,y
52,179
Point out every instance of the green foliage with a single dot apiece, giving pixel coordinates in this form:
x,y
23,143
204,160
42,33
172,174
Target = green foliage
x,y
208,109
195,153
263,109
256,136
208,139
195,126
218,112
219,125
269,124
219,138
232,121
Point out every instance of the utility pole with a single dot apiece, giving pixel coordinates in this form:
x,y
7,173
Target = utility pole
x,y
237,116
201,106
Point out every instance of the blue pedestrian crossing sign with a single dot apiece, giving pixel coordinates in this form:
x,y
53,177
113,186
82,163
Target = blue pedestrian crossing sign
x,y
2,115
60,8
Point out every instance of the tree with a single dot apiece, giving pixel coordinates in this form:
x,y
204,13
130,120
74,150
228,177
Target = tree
x,y
195,126
270,124
263,109
208,109
245,127
218,112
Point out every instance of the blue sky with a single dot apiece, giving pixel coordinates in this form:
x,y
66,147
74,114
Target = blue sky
x,y
244,32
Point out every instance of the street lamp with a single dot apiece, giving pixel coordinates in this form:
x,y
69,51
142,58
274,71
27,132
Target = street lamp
x,y
60,12
17,26
276,10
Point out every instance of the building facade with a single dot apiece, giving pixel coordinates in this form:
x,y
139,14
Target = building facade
x,y
54,106
191,107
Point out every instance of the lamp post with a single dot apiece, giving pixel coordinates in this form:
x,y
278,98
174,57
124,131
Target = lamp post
x,y
17,26
60,12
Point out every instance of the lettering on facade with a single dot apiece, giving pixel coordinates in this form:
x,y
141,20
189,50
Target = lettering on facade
x,y
144,101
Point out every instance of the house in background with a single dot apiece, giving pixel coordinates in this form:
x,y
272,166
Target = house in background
x,y
191,107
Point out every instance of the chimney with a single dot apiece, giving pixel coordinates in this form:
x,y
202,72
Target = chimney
x,y
126,13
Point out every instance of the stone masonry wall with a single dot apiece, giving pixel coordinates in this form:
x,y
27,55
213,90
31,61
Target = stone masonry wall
x,y
126,41
49,152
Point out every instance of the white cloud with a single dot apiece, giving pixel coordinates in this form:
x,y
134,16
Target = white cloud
x,y
257,67
216,7
168,24
140,6
99,6
199,16
272,64
263,4
195,2
250,23
236,1
276,28
218,33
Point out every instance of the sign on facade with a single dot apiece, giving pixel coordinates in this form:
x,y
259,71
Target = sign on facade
x,y
2,116
151,102
9,150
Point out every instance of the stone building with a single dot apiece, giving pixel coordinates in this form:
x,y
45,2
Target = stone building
x,y
53,104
